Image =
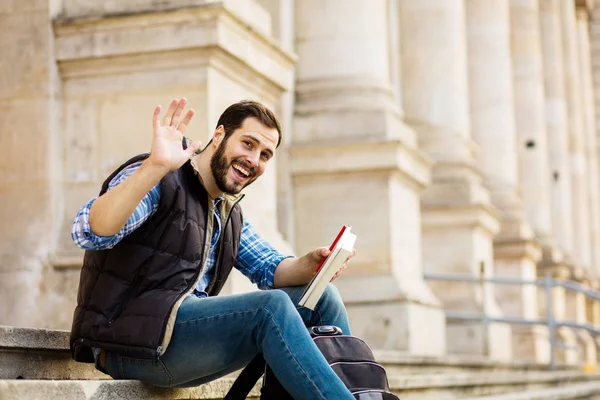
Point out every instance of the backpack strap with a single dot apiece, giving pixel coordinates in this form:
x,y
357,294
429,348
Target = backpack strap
x,y
247,379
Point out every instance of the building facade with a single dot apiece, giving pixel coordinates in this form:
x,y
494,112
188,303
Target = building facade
x,y
455,136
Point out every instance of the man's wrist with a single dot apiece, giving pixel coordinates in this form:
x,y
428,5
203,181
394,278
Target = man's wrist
x,y
153,170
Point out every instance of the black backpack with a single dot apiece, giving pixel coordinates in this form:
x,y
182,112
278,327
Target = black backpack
x,y
349,357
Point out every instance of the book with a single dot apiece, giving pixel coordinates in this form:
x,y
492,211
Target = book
x,y
341,248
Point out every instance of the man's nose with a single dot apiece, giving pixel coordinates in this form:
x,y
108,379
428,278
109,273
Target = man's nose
x,y
252,159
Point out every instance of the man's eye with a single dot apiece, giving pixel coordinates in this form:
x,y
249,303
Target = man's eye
x,y
247,144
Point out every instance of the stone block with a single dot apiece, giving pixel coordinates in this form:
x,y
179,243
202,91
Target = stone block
x,y
247,10
26,55
473,338
399,326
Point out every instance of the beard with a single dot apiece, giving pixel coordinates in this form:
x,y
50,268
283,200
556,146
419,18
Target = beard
x,y
219,166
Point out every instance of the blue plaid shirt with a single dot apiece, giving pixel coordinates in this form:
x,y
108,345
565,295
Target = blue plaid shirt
x,y
256,258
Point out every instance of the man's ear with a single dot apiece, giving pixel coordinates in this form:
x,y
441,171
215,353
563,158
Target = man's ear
x,y
218,135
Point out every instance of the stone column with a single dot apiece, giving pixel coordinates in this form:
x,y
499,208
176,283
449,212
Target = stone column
x,y
590,147
594,33
355,162
530,118
493,127
556,126
458,220
589,126
282,22
534,169
31,166
575,121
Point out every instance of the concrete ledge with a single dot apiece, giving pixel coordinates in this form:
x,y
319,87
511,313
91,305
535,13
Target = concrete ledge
x,y
426,386
577,391
458,362
30,338
27,353
490,378
109,390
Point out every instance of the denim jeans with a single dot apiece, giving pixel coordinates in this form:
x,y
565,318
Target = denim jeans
x,y
218,335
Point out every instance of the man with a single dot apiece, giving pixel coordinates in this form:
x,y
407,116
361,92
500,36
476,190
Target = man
x,y
160,242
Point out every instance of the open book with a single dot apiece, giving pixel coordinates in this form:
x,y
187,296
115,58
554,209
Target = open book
x,y
341,249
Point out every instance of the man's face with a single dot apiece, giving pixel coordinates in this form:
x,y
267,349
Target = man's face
x,y
242,157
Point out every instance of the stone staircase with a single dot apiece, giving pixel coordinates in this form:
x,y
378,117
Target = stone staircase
x,y
35,364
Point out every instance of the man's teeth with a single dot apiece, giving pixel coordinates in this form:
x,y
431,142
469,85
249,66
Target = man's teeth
x,y
242,170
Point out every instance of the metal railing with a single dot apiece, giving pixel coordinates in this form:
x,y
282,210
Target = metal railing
x,y
547,283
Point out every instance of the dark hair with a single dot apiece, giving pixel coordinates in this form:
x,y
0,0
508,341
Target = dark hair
x,y
235,115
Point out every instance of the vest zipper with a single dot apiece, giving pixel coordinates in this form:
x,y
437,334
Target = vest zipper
x,y
219,255
162,348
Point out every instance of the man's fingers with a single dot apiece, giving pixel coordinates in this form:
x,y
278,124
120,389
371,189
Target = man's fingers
x,y
155,118
170,111
178,110
186,120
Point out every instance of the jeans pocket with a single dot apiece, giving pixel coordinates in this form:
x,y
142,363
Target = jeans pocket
x,y
150,371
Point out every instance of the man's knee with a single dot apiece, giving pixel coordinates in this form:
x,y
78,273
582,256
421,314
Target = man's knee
x,y
276,299
331,297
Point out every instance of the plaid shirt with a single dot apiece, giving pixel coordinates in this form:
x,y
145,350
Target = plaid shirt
x,y
256,258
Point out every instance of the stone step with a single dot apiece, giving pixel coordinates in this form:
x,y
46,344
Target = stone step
x,y
27,353
20,389
412,387
471,384
402,363
587,390
38,360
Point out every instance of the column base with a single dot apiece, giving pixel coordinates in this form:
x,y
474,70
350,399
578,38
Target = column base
x,y
566,352
587,348
399,325
470,337
516,254
531,344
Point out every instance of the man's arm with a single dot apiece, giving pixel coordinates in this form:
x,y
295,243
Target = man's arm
x,y
81,232
110,212
299,271
269,269
256,258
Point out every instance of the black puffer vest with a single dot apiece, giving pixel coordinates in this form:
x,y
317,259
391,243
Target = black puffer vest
x,y
129,295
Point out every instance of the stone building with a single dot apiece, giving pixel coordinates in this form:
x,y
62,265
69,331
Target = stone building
x,y
455,136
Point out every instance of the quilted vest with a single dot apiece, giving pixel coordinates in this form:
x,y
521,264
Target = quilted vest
x,y
129,295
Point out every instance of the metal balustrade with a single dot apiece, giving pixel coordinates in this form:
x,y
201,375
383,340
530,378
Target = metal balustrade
x,y
547,283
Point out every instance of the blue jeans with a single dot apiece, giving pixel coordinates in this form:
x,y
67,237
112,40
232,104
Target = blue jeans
x,y
218,335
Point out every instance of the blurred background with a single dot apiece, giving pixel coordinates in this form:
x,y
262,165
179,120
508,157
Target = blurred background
x,y
459,138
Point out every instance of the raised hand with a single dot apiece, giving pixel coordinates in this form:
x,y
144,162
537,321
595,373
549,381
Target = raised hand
x,y
167,151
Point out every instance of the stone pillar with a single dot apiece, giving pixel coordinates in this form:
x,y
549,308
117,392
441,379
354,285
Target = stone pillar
x,y
492,111
458,220
579,185
355,162
31,167
530,118
592,176
594,33
556,126
590,140
115,73
282,22
534,169
576,310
